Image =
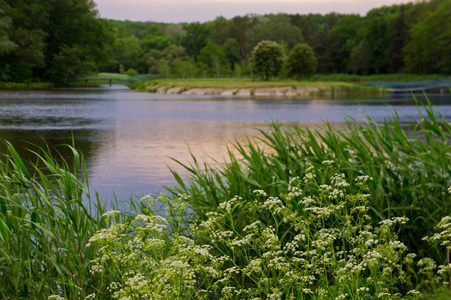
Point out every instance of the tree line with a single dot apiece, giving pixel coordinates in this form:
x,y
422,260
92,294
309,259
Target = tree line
x,y
57,39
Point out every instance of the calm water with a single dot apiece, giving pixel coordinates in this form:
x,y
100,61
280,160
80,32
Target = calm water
x,y
128,137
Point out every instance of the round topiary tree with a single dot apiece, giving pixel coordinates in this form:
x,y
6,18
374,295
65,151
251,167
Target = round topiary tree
x,y
267,59
302,61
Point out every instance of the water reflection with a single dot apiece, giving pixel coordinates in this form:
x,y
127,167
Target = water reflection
x,y
128,137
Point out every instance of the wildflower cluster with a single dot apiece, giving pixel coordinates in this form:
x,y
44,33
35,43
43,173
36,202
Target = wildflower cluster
x,y
315,241
140,260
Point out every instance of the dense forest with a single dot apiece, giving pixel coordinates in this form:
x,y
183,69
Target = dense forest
x,y
53,40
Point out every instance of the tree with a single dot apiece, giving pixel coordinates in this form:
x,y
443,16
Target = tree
x,y
327,47
267,59
74,31
127,51
55,39
398,39
429,48
302,61
359,61
6,44
377,39
219,30
195,38
23,26
348,34
231,52
212,56
275,28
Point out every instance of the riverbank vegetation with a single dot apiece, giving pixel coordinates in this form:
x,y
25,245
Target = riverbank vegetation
x,y
41,42
356,212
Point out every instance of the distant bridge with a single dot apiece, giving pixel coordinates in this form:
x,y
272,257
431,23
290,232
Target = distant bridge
x,y
419,86
108,78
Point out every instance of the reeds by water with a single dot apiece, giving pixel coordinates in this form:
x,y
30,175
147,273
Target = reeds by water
x,y
45,225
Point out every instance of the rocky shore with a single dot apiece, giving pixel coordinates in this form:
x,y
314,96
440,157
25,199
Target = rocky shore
x,y
274,91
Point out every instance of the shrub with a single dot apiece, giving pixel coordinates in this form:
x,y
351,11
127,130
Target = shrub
x,y
131,72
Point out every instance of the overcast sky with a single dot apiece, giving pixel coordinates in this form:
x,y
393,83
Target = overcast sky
x,y
175,11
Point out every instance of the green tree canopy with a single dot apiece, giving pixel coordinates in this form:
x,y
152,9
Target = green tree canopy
x,y
276,28
302,61
210,54
55,39
195,38
213,57
359,61
429,49
231,52
267,59
6,44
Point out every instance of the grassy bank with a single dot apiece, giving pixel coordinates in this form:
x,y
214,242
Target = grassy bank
x,y
361,212
21,86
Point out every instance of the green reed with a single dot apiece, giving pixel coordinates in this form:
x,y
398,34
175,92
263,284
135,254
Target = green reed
x,y
45,223
411,169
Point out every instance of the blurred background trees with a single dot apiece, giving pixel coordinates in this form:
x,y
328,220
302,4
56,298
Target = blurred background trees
x,y
55,39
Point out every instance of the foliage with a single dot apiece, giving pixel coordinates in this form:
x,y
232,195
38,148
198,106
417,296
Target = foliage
x,y
359,61
41,41
398,40
213,57
131,72
231,52
277,28
327,48
301,61
126,52
429,47
267,59
55,39
377,40
6,44
194,39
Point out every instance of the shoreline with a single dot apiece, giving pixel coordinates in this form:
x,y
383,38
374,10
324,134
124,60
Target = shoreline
x,y
259,89
264,91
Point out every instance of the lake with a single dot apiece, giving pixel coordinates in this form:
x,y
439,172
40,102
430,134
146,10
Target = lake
x,y
128,137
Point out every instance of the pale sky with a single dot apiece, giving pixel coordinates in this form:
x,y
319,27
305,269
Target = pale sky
x,y
175,11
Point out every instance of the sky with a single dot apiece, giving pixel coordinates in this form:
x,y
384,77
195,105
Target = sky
x,y
176,11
